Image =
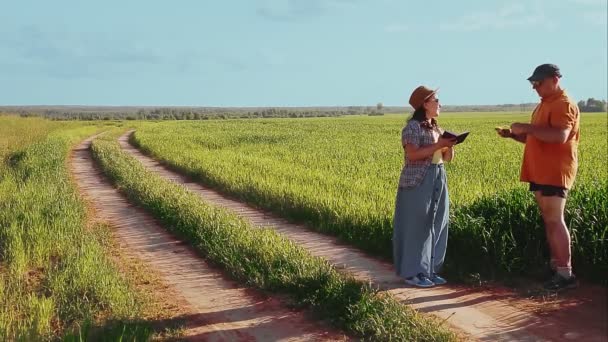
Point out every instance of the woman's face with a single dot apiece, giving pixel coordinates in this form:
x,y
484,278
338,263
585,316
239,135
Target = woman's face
x,y
432,107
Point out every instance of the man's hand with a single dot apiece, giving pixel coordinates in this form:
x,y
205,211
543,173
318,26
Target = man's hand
x,y
520,128
504,132
510,133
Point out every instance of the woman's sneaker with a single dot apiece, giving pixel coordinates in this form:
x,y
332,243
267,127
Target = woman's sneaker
x,y
438,280
421,280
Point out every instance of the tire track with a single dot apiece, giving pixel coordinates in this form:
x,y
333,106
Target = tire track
x,y
219,309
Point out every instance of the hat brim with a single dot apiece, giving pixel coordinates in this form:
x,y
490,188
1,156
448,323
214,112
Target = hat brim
x,y
431,94
536,78
540,77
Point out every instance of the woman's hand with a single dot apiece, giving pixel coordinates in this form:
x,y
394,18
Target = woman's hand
x,y
446,142
418,153
447,153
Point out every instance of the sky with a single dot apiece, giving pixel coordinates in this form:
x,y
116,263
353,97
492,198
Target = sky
x,y
295,52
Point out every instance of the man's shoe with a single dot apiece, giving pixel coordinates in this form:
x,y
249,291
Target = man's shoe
x,y
558,283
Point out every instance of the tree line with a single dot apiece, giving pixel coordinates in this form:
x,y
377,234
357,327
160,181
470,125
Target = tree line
x,y
592,106
215,113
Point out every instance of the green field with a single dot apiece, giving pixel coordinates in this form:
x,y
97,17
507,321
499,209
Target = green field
x,y
341,174
59,281
56,280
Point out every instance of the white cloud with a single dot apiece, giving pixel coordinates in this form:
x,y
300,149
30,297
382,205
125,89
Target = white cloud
x,y
596,18
287,10
590,2
508,16
71,55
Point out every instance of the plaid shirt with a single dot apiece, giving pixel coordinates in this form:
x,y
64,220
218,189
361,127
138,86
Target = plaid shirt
x,y
414,170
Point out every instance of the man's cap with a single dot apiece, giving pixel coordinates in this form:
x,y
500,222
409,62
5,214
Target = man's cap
x,y
544,71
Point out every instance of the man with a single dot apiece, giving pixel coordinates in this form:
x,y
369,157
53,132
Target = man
x,y
550,164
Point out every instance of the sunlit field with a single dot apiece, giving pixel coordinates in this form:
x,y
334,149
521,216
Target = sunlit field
x,y
341,175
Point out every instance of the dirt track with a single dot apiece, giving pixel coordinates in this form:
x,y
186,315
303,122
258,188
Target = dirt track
x,y
218,309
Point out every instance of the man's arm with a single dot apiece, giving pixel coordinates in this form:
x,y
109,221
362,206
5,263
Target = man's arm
x,y
519,137
562,120
542,133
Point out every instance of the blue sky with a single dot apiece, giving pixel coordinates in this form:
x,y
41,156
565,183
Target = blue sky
x,y
295,52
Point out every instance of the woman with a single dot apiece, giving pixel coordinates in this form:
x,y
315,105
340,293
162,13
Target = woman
x,y
420,232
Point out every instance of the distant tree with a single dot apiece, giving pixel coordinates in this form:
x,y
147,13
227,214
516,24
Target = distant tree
x,y
379,106
592,105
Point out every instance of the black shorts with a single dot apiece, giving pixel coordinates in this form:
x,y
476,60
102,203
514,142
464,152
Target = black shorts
x,y
549,190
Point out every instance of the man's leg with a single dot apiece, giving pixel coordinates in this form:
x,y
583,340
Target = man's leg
x,y
548,232
552,211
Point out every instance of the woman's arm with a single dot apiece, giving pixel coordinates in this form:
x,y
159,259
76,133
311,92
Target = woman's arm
x,y
418,153
448,154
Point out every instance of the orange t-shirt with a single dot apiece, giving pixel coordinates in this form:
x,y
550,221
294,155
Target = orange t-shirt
x,y
553,163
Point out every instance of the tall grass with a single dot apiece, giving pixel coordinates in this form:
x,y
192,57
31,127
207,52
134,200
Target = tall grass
x,y
55,278
340,175
263,258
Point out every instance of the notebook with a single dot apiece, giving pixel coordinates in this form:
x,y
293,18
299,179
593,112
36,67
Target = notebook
x,y
459,137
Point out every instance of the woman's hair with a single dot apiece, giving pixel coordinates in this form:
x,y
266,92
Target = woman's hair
x,y
420,116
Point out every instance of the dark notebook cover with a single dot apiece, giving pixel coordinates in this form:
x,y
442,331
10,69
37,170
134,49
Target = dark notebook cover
x,y
459,138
